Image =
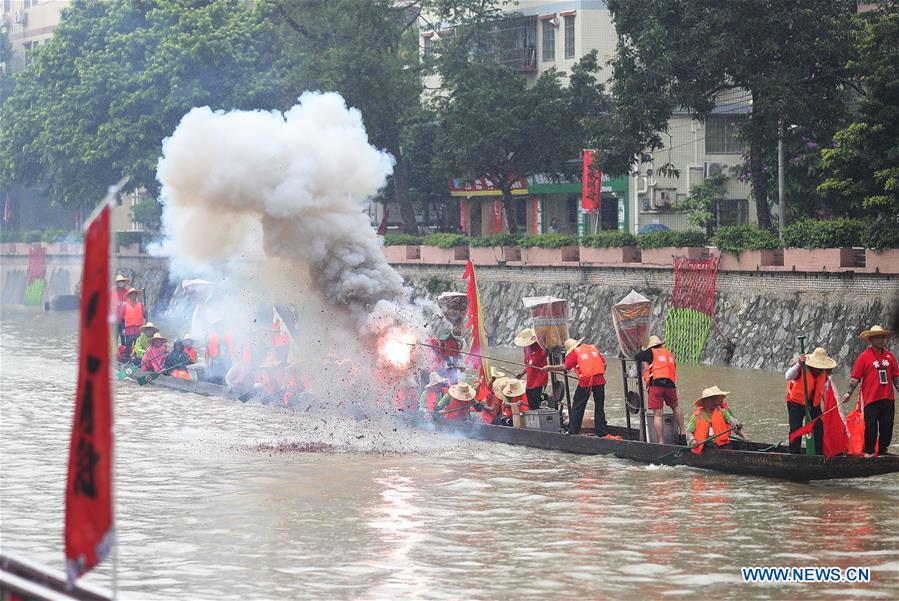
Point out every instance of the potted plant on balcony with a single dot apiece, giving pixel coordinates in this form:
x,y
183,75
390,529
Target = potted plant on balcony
x,y
440,249
402,248
659,247
747,247
613,247
549,249
812,245
496,249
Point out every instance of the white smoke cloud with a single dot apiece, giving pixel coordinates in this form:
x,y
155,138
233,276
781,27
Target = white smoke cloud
x,y
268,206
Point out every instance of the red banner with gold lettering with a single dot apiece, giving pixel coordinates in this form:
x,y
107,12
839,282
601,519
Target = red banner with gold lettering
x,y
591,184
89,532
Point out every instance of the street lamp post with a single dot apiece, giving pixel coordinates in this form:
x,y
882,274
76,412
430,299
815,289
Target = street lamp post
x,y
781,210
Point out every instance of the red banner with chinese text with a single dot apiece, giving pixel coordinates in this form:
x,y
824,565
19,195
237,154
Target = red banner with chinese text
x,y
591,184
89,532
497,216
463,215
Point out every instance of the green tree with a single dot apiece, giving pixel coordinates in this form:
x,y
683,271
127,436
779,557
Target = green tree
x,y
863,165
7,81
367,50
115,79
701,202
788,56
492,124
148,213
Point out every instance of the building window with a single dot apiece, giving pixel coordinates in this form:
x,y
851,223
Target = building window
x,y
549,41
428,45
30,47
721,134
731,212
569,37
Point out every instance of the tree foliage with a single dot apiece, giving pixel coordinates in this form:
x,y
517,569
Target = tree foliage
x,y
700,203
115,79
864,163
787,55
7,82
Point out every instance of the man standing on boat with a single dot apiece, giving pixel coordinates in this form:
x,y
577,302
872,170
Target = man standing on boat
x,y
590,367
535,358
877,372
660,377
815,373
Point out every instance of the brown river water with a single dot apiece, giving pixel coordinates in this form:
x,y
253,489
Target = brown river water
x,y
207,510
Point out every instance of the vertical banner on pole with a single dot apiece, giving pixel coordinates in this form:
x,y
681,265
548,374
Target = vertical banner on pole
x,y
538,214
498,216
89,528
463,215
591,184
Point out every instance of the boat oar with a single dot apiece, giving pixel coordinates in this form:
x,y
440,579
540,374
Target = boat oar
x,y
664,459
434,346
810,442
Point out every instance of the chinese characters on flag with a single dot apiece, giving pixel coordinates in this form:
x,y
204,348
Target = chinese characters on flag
x,y
89,532
591,186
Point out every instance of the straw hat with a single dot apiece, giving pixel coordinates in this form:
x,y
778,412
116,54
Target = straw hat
x,y
435,379
572,344
121,278
495,373
526,337
653,341
498,385
710,393
875,331
819,359
149,325
158,336
133,291
462,391
514,388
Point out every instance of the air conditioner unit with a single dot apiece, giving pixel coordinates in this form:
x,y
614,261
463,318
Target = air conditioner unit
x,y
21,16
713,169
664,198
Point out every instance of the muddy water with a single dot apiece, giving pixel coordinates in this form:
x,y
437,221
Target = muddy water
x,y
205,512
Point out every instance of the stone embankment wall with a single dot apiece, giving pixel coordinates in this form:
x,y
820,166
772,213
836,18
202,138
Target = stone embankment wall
x,y
760,313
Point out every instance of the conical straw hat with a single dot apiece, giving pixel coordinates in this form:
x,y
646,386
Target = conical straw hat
x,y
875,331
526,337
462,391
709,393
819,359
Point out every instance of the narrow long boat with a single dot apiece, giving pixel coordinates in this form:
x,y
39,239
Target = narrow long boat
x,y
744,458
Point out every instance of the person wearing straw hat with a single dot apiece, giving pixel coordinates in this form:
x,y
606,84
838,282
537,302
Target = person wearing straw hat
x,y
456,403
431,395
132,316
877,372
121,289
711,418
535,358
817,369
514,392
660,378
143,341
154,358
590,367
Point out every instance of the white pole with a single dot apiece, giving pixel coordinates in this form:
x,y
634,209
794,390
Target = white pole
x,y
781,209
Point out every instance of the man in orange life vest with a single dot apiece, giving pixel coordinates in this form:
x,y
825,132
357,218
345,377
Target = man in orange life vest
x,y
535,358
590,367
878,373
660,377
817,369
710,419
131,315
121,290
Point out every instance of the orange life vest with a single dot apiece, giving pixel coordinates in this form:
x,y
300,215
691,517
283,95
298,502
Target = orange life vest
x,y
796,389
134,314
662,366
718,424
192,353
180,373
589,361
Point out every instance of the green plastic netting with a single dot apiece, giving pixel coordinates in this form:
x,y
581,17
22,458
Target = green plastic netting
x,y
692,307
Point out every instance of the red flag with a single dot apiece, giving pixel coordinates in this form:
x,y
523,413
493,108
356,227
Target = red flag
x,y
804,430
476,324
89,532
591,184
836,438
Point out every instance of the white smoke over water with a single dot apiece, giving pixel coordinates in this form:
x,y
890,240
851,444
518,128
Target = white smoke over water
x,y
268,207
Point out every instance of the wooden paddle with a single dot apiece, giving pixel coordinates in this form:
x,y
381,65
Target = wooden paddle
x,y
666,458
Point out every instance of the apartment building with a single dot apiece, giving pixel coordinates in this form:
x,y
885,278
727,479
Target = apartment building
x,y
29,23
542,35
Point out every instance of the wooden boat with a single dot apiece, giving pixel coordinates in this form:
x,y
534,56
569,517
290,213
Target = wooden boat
x,y
744,458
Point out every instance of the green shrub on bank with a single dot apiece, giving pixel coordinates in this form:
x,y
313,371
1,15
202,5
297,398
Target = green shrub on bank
x,y
495,240
446,240
735,238
402,240
129,238
667,239
833,233
881,234
49,235
609,239
553,240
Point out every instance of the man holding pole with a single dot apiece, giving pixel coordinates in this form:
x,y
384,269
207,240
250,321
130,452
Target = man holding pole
x,y
535,358
807,379
590,367
877,372
660,377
